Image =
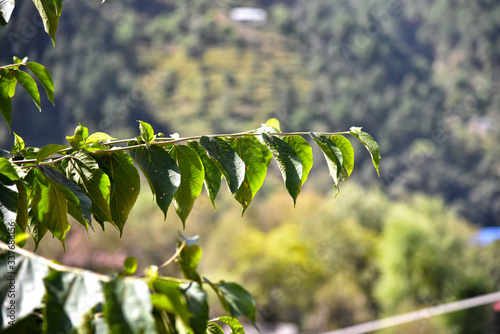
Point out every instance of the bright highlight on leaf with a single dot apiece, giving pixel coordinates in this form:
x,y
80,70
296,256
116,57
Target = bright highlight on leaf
x,y
370,144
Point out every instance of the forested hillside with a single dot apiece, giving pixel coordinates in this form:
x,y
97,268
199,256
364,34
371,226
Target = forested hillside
x,y
423,77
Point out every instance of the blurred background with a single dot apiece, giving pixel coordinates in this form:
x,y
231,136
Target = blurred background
x,y
422,77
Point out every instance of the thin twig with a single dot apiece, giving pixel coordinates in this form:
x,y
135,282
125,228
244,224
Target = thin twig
x,y
164,141
173,257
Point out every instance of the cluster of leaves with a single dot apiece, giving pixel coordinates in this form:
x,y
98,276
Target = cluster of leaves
x,y
70,300
10,75
93,177
49,11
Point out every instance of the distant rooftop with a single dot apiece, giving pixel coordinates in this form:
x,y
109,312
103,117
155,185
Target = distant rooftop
x,y
248,14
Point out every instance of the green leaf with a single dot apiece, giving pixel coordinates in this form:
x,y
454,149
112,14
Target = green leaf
x,y
8,169
161,171
213,328
370,144
49,150
333,156
43,75
83,170
79,205
188,261
128,307
176,303
6,9
97,137
19,61
257,158
37,230
147,132
22,205
28,84
347,151
8,83
289,164
69,297
8,208
130,265
304,151
7,89
49,10
50,206
125,184
18,144
192,175
274,123
239,301
77,141
213,174
235,326
27,273
198,306
229,162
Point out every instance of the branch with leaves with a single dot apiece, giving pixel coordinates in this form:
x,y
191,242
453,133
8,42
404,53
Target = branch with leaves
x,y
65,299
94,178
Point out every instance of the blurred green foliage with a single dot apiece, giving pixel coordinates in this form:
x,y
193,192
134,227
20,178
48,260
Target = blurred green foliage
x,y
422,77
326,264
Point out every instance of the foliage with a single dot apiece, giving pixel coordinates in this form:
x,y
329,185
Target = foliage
x,y
72,300
94,177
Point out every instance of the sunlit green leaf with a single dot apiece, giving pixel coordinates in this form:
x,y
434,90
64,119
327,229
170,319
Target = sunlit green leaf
x,y
7,89
213,328
229,162
235,326
188,261
333,156
128,307
97,137
347,151
130,265
7,169
198,306
49,150
161,171
79,204
8,82
274,123
125,184
29,287
18,144
192,175
370,144
84,171
147,132
43,75
50,206
240,302
304,151
50,12
177,298
77,141
28,84
289,163
257,158
37,230
8,208
69,296
22,205
213,174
